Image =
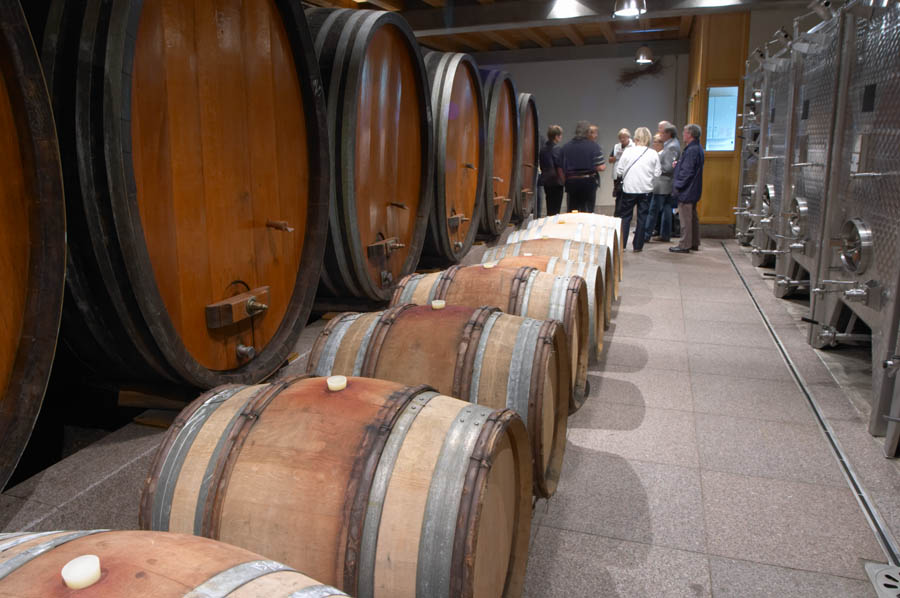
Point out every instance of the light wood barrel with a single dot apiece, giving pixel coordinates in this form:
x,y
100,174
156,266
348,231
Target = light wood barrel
x,y
523,292
196,168
380,123
530,139
586,219
588,232
141,564
32,237
599,286
479,355
457,104
378,489
502,150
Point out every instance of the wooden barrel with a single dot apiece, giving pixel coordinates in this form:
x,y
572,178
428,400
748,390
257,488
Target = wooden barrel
x,y
377,488
530,140
146,565
599,287
198,184
564,249
457,104
589,232
477,354
590,220
523,292
379,120
502,151
32,237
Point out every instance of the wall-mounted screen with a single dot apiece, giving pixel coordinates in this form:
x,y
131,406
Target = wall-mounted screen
x,y
721,119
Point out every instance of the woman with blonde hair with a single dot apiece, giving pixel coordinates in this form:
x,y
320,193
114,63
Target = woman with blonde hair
x,y
638,166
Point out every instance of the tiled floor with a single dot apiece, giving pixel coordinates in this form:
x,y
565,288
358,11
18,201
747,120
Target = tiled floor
x,y
697,468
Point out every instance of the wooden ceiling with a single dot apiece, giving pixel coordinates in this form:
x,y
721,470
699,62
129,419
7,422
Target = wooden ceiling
x,y
565,34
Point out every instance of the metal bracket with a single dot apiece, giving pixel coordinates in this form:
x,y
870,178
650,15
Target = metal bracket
x,y
891,365
456,220
384,248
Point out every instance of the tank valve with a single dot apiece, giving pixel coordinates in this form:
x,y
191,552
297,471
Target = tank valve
x,y
82,572
245,352
891,365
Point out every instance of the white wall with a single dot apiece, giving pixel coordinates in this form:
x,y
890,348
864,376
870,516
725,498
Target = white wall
x,y
572,90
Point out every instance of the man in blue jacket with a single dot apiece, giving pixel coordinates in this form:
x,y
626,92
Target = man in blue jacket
x,y
687,187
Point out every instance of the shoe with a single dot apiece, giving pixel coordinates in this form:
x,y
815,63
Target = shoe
x,y
637,250
697,248
679,250
665,240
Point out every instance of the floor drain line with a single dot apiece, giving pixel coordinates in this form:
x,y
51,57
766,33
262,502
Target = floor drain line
x,y
882,534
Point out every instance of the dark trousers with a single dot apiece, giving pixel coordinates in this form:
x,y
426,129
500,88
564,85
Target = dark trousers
x,y
582,194
660,211
690,226
554,196
629,200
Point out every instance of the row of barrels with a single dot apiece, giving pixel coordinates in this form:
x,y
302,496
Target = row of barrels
x,y
219,168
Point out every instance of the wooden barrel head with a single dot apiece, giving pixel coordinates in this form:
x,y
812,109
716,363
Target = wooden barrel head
x,y
220,157
32,236
503,150
389,136
530,140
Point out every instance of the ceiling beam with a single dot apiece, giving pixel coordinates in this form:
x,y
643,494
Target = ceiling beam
x,y
619,50
501,38
440,43
570,32
538,37
520,14
435,3
684,30
608,32
474,42
392,5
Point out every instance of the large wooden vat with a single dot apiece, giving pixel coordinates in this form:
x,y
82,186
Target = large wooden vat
x,y
477,354
379,121
530,139
523,292
32,236
604,233
457,104
378,489
564,249
196,164
502,150
599,288
146,565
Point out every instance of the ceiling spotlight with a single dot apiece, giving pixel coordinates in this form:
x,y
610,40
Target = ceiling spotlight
x,y
630,9
644,55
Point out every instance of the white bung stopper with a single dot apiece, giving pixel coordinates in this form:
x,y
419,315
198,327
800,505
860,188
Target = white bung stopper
x,y
489,264
82,571
527,254
574,211
438,304
336,383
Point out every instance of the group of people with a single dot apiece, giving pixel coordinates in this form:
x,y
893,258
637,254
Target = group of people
x,y
651,175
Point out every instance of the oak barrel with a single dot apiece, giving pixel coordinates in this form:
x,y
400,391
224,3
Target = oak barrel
x,y
196,166
457,105
599,288
479,355
380,124
378,489
590,223
530,140
32,236
502,151
140,564
523,292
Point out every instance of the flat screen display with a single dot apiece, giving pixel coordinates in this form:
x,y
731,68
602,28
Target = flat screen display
x,y
721,119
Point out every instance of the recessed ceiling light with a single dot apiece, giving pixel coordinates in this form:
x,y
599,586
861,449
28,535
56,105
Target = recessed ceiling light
x,y
630,9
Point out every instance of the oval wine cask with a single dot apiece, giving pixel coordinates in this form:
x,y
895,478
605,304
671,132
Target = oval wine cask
x,y
375,488
591,223
199,184
530,139
379,119
502,151
32,236
459,130
524,292
480,355
141,564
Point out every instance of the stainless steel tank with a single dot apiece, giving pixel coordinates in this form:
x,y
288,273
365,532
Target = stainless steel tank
x,y
859,269
751,113
815,62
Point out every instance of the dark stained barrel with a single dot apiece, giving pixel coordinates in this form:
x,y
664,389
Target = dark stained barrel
x,y
197,162
32,236
530,140
379,120
457,105
502,151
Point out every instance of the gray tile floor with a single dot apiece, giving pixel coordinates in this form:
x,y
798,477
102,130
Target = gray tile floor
x,y
697,468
